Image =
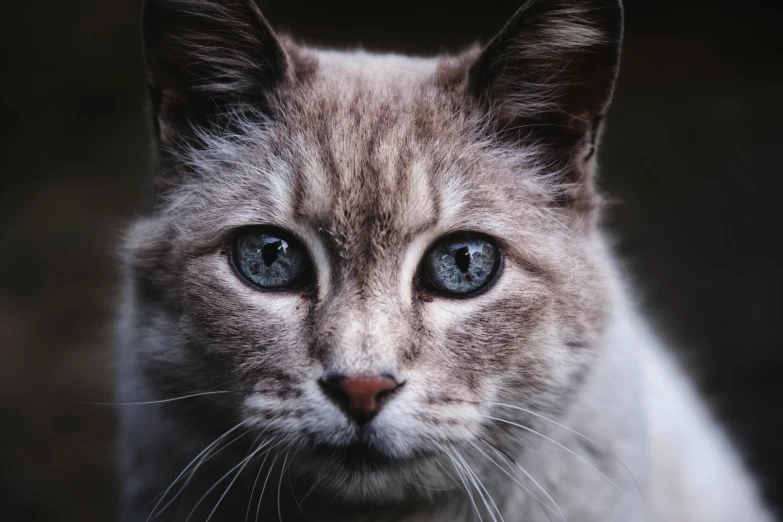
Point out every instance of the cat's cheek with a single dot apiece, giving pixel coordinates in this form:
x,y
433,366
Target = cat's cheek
x,y
480,342
226,316
441,316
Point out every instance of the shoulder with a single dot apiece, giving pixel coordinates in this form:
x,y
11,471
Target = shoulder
x,y
696,474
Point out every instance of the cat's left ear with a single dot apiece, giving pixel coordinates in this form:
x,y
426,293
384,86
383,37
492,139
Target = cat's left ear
x,y
548,76
206,59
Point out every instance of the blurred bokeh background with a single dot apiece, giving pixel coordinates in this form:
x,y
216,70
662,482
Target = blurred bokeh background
x,y
691,160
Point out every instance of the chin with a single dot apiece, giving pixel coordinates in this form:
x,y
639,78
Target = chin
x,y
361,472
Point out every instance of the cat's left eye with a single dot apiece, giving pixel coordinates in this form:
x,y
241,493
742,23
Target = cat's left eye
x,y
270,258
460,265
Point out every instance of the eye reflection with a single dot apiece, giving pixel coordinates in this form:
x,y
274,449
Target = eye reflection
x,y
271,249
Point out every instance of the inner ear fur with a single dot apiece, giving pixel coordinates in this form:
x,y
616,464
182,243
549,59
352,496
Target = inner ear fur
x,y
547,79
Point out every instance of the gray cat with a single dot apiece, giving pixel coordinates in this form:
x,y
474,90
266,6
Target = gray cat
x,y
373,287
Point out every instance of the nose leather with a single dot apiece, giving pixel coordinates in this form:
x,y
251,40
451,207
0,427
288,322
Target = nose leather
x,y
364,393
360,397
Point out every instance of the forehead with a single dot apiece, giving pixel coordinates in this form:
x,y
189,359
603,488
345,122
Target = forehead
x,y
369,160
381,147
370,152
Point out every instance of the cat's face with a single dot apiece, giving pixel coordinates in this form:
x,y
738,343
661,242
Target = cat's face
x,y
363,170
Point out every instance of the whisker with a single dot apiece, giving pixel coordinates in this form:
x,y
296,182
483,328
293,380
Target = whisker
x,y
293,493
470,479
310,491
512,477
560,446
205,453
247,461
263,488
126,403
242,463
193,472
585,437
502,453
479,487
430,488
280,486
255,483
464,483
447,472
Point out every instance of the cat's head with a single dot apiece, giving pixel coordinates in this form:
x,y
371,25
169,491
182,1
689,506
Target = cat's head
x,y
374,251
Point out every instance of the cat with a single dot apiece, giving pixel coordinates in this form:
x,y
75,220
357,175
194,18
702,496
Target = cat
x,y
375,287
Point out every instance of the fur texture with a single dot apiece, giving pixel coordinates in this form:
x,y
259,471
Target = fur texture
x,y
368,160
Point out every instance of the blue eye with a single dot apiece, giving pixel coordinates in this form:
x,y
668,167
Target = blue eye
x,y
460,264
270,258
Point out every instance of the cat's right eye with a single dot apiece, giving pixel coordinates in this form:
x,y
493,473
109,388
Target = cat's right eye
x,y
270,258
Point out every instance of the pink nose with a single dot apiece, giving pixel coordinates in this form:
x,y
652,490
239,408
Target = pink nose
x,y
361,397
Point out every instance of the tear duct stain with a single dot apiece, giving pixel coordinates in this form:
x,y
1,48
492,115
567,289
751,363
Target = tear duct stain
x,y
423,296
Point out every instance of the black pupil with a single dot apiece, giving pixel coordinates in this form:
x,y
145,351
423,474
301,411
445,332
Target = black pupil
x,y
271,251
462,259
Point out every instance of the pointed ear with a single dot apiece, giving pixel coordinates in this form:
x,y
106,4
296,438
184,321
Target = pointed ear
x,y
205,58
547,77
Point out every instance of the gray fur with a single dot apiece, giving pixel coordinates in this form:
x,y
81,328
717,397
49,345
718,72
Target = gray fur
x,y
368,159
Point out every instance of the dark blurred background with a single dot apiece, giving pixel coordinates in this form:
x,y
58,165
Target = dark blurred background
x,y
691,160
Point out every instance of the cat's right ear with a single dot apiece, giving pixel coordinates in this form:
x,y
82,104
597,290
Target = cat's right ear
x,y
206,59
